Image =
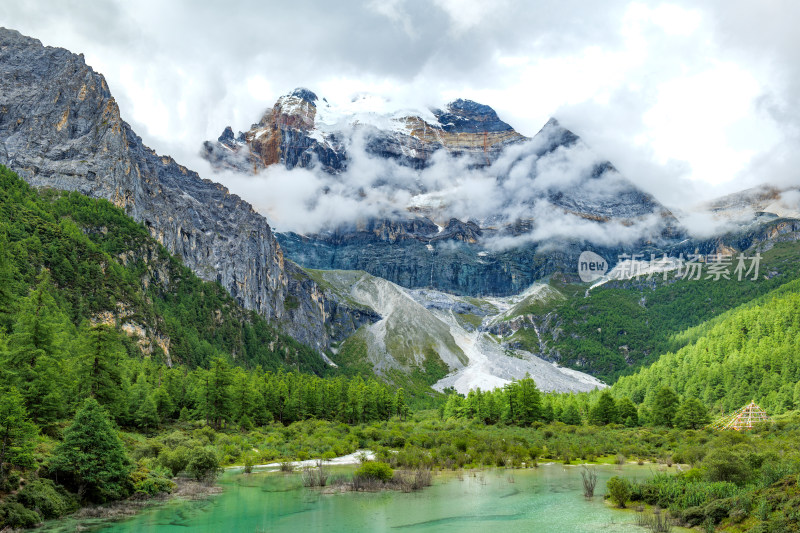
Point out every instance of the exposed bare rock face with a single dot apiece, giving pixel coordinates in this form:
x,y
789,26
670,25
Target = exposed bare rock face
x,y
301,130
60,127
423,243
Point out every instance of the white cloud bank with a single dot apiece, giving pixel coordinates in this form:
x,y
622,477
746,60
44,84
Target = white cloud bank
x,y
689,100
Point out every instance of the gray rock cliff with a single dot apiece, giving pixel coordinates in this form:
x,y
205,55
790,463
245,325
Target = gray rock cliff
x,y
60,127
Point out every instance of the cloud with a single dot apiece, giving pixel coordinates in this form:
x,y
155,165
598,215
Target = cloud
x,y
558,192
689,100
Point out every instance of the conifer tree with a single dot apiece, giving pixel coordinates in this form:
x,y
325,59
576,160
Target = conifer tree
x,y
99,374
626,412
91,460
17,433
571,415
7,297
665,404
692,414
34,356
400,407
216,398
604,411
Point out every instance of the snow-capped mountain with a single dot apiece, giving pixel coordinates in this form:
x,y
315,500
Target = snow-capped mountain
x,y
449,198
302,129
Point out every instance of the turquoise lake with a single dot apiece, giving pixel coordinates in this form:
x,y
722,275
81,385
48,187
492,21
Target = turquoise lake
x,y
548,498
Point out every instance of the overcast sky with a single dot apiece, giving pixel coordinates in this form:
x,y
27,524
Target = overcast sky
x,y
688,99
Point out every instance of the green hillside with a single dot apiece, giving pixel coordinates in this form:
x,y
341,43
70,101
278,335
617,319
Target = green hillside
x,y
751,353
98,265
624,325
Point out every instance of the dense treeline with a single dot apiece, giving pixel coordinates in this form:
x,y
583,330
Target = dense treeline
x,y
104,266
753,353
521,404
77,276
48,377
749,353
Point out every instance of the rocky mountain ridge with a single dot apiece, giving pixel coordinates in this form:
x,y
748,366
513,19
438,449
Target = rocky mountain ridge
x,y
301,130
60,127
446,237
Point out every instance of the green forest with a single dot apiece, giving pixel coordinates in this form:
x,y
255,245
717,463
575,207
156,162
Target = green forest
x,y
623,325
91,412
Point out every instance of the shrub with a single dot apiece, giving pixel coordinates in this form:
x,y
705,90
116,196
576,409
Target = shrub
x,y
204,464
413,481
589,477
619,490
10,483
245,424
15,515
49,499
249,461
152,482
727,465
375,470
315,477
176,460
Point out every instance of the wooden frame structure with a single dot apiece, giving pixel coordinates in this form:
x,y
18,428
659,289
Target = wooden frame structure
x,y
744,419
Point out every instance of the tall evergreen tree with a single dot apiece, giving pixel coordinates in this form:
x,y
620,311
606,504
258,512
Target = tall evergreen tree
x,y
91,460
216,397
604,411
571,415
400,407
692,414
665,405
626,412
142,404
7,297
17,433
35,355
524,401
99,374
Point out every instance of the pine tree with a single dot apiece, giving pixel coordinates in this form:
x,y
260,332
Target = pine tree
x,y
524,402
216,397
571,415
137,398
7,275
146,414
245,403
17,433
604,411
35,354
665,404
627,410
164,404
692,414
99,370
454,406
400,407
91,460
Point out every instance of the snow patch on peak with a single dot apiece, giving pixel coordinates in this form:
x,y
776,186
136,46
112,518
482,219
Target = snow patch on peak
x,y
368,110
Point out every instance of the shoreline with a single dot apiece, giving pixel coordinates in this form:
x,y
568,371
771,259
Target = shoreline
x,y
349,459
186,489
